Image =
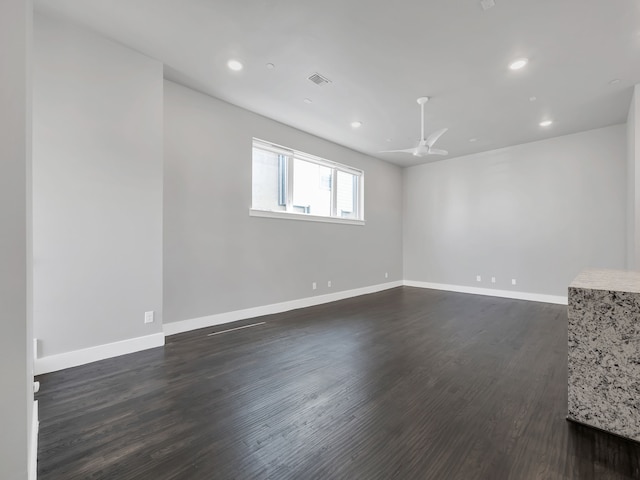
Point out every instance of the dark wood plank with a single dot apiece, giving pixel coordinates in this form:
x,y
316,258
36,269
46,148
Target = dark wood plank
x,y
402,384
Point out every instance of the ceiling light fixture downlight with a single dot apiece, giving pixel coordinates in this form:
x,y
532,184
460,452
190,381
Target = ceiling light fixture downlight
x,y
546,123
356,124
518,64
234,65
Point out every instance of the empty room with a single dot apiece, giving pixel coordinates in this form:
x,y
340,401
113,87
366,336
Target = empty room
x,y
320,240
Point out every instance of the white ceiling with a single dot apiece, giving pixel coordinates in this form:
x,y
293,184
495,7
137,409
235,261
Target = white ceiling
x,y
382,55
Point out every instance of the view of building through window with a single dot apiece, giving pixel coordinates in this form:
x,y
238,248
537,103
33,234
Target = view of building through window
x,y
285,180
311,188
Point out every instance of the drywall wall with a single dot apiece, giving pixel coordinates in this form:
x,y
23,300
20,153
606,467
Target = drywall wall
x,y
97,189
219,259
537,212
16,377
633,181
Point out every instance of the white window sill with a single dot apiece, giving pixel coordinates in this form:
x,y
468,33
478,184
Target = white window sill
x,y
303,216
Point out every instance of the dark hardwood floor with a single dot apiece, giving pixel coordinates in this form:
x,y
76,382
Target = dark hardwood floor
x,y
402,384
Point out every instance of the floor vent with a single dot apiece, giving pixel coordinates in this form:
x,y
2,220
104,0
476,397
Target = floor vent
x,y
237,328
319,79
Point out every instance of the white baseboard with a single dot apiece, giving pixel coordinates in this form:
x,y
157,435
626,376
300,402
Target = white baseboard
x,y
33,448
234,316
534,297
75,358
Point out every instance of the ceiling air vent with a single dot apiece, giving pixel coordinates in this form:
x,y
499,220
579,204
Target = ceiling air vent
x,y
319,79
487,4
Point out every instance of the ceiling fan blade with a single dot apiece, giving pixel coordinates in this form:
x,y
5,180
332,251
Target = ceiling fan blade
x,y
406,150
433,138
437,151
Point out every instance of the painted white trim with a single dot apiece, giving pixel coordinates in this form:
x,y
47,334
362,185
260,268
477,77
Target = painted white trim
x,y
33,452
74,358
302,216
234,316
307,157
533,297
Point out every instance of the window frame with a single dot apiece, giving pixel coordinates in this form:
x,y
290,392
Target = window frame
x,y
287,156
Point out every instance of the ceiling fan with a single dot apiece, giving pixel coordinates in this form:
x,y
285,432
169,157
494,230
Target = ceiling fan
x,y
425,147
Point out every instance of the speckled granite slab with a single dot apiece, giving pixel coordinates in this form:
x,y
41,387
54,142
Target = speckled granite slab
x,y
605,400
604,351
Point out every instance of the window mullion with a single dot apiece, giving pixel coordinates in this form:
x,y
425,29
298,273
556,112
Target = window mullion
x,y
356,195
290,183
334,192
360,198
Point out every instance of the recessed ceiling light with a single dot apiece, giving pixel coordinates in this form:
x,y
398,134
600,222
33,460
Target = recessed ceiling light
x,y
270,66
234,65
545,123
533,99
308,100
518,64
473,140
615,81
356,124
388,139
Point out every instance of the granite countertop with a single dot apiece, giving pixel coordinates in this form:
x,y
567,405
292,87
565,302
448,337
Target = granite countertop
x,y
611,280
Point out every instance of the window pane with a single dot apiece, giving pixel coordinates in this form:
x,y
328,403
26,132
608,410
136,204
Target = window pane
x,y
285,180
347,189
311,188
269,181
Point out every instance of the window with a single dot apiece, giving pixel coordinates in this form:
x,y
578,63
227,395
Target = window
x,y
291,184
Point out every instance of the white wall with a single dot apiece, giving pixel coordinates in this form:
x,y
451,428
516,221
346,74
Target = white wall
x,y
97,181
16,377
219,259
538,212
633,182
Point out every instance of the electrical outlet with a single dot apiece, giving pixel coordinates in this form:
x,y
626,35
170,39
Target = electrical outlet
x,y
148,317
478,278
513,281
329,284
313,286
493,279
